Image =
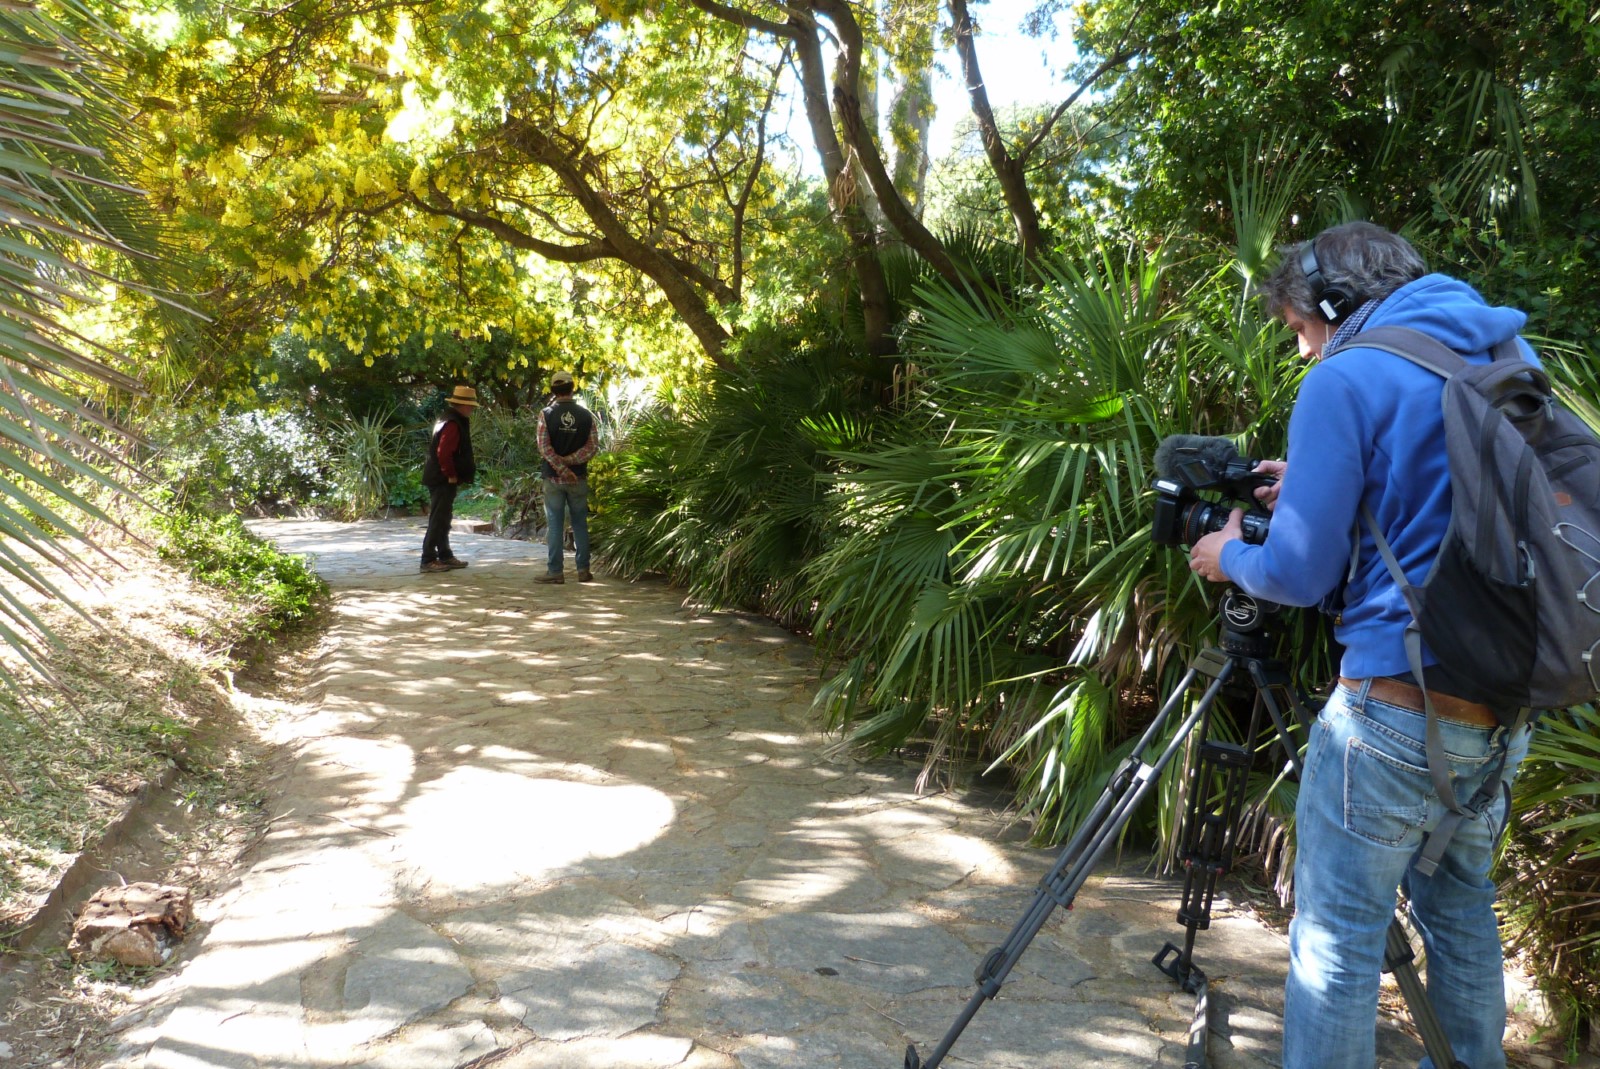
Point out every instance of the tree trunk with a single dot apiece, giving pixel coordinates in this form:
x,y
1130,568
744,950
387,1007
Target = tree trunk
x,y
843,193
911,110
868,87
1007,170
847,101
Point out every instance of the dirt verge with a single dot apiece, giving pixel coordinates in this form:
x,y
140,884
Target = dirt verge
x,y
152,761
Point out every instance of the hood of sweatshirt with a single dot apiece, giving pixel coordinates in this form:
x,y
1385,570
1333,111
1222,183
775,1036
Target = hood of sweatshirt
x,y
1450,311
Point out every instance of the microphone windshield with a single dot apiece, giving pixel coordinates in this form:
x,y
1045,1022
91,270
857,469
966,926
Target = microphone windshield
x,y
1178,455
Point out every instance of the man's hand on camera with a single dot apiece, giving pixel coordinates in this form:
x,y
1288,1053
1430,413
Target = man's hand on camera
x,y
1205,558
1268,495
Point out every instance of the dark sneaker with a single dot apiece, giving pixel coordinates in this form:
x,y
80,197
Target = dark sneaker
x,y
585,575
435,566
549,579
454,562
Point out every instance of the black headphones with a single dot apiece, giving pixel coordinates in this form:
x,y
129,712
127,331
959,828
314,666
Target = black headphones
x,y
1333,302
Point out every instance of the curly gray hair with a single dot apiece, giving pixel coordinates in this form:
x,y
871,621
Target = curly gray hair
x,y
1362,259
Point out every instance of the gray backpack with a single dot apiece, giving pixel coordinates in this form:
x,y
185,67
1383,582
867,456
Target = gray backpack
x,y
1511,607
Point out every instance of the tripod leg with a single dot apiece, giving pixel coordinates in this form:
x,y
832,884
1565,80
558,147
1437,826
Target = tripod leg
x,y
1272,684
1401,960
1122,793
1208,841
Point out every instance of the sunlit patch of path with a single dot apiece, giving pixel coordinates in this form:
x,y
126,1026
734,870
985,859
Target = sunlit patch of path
x,y
582,826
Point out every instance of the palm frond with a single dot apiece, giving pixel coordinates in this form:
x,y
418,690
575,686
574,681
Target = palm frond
x,y
68,223
1275,175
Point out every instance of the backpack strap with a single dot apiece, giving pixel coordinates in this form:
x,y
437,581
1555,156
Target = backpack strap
x,y
1430,353
1421,349
1433,738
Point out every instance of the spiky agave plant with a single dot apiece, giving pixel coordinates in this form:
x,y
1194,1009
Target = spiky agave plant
x,y
371,450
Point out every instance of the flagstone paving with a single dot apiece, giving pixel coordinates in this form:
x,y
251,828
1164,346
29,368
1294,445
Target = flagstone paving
x,y
584,826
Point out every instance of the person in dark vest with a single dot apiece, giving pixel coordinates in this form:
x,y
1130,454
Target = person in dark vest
x,y
566,441
448,467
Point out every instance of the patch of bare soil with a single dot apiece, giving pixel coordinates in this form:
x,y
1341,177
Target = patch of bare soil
x,y
146,759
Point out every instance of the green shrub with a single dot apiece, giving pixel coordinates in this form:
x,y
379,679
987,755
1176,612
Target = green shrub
x,y
247,460
1550,874
506,441
521,502
404,489
220,551
377,466
724,488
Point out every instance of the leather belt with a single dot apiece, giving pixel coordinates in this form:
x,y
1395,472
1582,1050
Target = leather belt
x,y
1409,696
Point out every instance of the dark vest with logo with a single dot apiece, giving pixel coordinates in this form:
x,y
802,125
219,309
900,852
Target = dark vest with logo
x,y
569,426
466,468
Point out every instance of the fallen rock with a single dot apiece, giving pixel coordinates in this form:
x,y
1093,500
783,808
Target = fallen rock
x,y
132,924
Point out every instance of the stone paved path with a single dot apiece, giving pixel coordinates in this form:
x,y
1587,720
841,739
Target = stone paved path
x,y
580,826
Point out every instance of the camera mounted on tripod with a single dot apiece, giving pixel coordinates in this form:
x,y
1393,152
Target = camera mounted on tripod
x,y
1188,465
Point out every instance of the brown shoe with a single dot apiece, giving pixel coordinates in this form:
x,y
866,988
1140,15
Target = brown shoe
x,y
585,575
454,562
435,566
549,579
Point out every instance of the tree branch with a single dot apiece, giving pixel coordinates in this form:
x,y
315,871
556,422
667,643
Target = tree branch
x,y
1007,171
572,168
568,254
1032,144
740,17
863,142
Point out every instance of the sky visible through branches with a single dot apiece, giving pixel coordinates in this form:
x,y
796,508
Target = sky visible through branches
x,y
1018,69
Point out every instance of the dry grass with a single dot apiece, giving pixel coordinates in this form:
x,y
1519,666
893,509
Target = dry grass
x,y
156,731
136,692
133,691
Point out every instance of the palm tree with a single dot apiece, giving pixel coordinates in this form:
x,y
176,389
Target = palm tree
x,y
68,228
995,592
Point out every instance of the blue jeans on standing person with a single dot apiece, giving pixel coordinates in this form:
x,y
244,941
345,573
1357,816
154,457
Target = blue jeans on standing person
x,y
569,500
1366,802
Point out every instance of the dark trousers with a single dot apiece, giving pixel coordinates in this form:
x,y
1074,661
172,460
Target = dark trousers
x,y
441,506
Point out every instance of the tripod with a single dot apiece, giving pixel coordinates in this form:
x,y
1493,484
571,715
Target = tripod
x,y
1209,830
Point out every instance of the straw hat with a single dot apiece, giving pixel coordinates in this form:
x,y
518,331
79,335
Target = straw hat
x,y
464,395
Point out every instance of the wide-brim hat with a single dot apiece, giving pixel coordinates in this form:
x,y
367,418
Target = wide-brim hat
x,y
561,378
464,395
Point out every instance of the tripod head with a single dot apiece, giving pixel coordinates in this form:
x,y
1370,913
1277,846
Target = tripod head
x,y
1245,621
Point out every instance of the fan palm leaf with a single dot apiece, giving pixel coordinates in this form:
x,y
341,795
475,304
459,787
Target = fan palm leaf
x,y
1274,178
66,224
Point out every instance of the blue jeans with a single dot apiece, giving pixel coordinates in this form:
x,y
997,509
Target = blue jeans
x,y
1366,801
567,500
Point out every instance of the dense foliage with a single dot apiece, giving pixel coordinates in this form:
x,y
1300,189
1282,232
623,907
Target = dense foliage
x,y
928,445
1471,125
282,589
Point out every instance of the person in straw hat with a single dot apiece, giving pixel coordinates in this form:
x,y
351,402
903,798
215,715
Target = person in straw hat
x,y
449,466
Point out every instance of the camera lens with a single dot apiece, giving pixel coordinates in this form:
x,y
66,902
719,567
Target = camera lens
x,y
1200,519
1255,526
1203,517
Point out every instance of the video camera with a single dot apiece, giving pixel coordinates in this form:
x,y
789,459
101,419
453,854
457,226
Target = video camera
x,y
1189,463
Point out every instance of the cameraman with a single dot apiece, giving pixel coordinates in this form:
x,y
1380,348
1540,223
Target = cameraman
x,y
1367,428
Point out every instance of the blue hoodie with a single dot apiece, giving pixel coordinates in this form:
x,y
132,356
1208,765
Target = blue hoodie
x,y
1368,426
